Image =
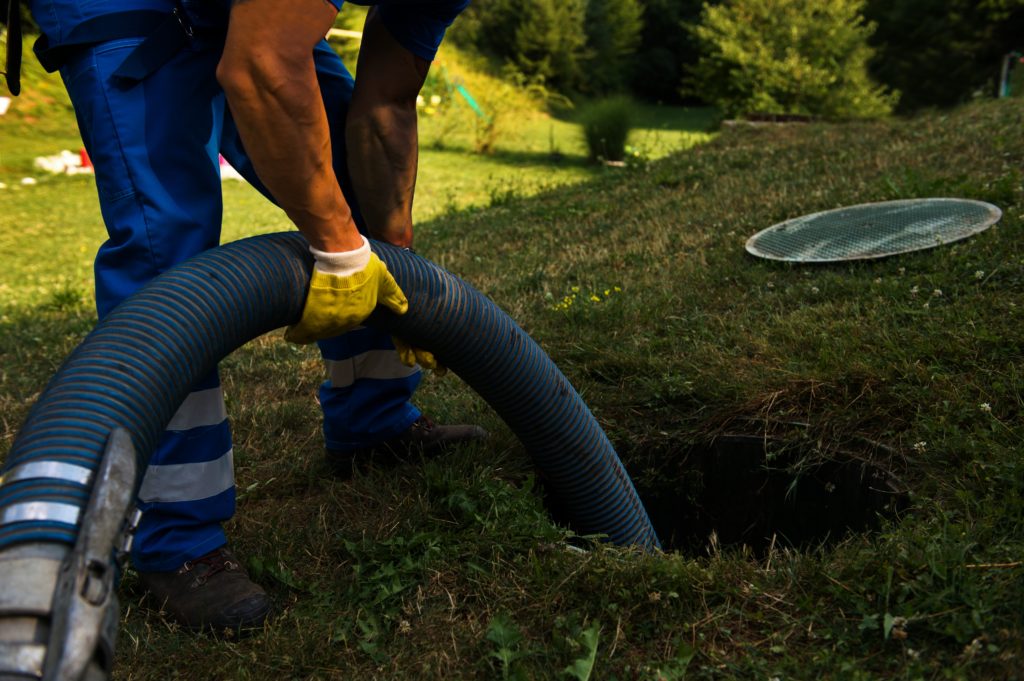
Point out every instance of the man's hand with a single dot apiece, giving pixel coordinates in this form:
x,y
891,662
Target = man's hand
x,y
345,288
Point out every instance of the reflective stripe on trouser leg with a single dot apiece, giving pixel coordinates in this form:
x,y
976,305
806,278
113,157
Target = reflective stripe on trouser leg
x,y
366,397
154,147
190,480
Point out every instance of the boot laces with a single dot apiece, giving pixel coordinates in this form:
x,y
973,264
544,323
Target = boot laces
x,y
215,562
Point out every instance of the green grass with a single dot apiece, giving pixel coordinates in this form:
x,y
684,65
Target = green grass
x,y
451,569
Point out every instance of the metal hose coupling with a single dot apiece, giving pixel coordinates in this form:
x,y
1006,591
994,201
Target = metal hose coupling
x,y
58,607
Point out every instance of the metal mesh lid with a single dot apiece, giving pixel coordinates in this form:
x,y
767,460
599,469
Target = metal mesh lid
x,y
873,230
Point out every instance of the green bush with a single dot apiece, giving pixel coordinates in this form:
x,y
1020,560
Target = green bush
x,y
571,45
802,57
606,125
543,39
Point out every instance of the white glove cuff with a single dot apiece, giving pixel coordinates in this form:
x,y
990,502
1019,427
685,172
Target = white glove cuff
x,y
343,264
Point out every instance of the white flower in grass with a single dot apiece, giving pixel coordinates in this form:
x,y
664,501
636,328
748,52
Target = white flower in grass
x,y
815,289
980,274
937,293
435,99
920,447
914,290
985,407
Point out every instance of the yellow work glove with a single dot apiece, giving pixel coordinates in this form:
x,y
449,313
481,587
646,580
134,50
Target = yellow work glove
x,y
411,356
343,291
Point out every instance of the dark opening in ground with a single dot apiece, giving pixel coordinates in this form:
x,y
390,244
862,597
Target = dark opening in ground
x,y
753,491
758,492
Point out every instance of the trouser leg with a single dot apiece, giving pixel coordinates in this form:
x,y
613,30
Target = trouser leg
x,y
366,397
154,148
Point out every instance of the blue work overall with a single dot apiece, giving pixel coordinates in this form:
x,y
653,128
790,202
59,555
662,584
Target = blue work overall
x,y
155,146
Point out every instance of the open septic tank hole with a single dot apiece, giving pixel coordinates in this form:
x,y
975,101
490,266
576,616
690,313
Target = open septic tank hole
x,y
756,492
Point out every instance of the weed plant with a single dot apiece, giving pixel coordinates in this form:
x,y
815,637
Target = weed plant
x,y
452,568
606,125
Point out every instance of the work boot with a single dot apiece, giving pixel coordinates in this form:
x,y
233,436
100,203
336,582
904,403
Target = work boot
x,y
422,438
212,592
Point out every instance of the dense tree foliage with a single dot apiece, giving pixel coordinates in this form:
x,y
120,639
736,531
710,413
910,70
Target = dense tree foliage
x,y
614,29
572,45
666,47
787,57
941,52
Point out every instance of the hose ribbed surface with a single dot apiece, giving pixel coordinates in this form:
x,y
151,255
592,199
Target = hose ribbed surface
x,y
140,363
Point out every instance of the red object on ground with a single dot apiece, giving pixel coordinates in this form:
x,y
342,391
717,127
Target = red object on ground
x,y
84,155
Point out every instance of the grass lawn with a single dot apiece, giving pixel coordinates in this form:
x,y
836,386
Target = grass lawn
x,y
452,569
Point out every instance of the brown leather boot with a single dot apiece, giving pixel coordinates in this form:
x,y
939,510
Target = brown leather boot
x,y
423,437
211,592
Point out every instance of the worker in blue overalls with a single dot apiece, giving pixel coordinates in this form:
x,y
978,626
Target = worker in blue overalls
x,y
160,89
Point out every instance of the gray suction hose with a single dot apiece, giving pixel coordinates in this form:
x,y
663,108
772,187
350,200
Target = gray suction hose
x,y
135,369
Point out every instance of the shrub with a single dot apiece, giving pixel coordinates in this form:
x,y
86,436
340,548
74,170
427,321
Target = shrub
x,y
543,39
606,126
801,57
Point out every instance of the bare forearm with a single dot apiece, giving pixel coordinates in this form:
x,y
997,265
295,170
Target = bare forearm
x,y
275,100
382,157
380,134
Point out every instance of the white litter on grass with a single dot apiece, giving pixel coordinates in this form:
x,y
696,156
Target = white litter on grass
x,y
28,180
64,163
5,104
69,163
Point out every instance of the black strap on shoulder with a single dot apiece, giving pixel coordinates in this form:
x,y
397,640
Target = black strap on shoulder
x,y
12,62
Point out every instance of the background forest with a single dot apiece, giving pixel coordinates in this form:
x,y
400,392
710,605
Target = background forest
x,y
930,52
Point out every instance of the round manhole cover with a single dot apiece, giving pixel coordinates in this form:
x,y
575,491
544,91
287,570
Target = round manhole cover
x,y
873,230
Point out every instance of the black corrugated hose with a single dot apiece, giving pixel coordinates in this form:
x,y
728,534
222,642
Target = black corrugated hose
x,y
138,365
